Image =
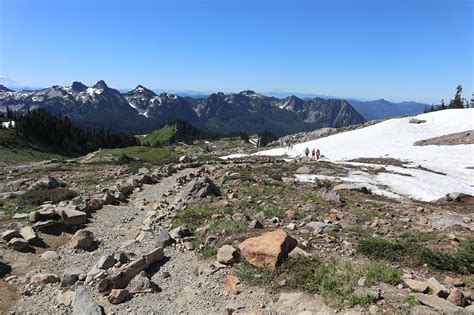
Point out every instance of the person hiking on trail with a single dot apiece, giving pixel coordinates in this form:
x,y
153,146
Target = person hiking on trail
x,y
313,152
306,151
318,154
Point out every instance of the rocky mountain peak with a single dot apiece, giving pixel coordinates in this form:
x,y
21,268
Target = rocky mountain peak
x,y
4,89
100,85
78,86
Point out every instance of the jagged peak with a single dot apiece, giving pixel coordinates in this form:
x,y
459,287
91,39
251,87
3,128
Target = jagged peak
x,y
78,86
4,89
100,85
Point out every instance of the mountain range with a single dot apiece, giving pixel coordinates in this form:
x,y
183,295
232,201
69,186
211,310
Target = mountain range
x,y
142,110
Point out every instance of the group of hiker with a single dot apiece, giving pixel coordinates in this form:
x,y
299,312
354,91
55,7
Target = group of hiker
x,y
315,154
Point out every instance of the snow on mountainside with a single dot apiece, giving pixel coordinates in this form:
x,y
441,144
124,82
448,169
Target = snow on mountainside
x,y
395,138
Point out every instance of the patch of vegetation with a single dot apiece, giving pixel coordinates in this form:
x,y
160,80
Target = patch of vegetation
x,y
154,156
313,197
415,254
363,300
334,279
272,211
227,227
39,196
196,216
11,210
411,301
159,137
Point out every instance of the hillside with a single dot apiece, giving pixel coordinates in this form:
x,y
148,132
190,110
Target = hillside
x,y
380,109
422,172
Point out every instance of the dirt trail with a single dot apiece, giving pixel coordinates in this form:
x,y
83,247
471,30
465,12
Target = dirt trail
x,y
182,289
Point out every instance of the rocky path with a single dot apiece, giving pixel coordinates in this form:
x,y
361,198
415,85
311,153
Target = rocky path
x,y
120,228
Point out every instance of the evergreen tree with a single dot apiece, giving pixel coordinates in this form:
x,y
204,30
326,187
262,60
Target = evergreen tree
x,y
442,106
457,102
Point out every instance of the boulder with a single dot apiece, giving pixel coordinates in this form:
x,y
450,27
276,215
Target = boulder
x,y
71,216
267,250
47,182
437,288
9,234
117,296
455,196
5,268
94,204
437,303
122,276
108,199
105,262
69,278
233,284
82,239
18,243
457,298
40,225
200,187
455,282
84,304
415,285
142,284
27,233
44,278
227,255
164,239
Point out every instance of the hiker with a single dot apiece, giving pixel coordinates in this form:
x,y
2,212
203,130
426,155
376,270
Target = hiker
x,y
313,153
318,154
306,151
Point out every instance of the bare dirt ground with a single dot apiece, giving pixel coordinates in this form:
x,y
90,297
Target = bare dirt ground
x,y
465,137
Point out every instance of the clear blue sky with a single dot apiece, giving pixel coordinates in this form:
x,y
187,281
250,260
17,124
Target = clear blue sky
x,y
395,49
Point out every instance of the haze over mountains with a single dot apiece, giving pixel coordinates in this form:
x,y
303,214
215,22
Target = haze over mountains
x,y
142,110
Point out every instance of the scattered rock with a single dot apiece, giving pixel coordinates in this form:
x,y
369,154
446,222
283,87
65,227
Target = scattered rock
x,y
455,196
18,243
455,282
415,285
298,253
27,233
84,304
105,262
5,268
69,278
82,239
255,224
303,170
227,254
437,303
164,239
117,296
188,245
353,187
48,182
65,298
71,216
457,297
44,278
437,288
141,284
200,187
300,303
267,250
232,284
9,234
180,232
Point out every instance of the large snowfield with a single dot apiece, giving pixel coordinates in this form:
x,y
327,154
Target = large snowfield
x,y
394,138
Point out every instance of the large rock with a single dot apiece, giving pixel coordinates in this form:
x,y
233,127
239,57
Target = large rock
x,y
122,276
105,262
227,254
415,285
71,216
69,278
27,233
5,268
300,303
141,284
117,296
200,187
18,243
47,182
180,232
437,303
84,304
437,288
457,298
9,234
164,239
82,239
267,250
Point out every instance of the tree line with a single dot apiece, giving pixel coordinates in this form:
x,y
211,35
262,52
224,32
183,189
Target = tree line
x,y
456,102
62,136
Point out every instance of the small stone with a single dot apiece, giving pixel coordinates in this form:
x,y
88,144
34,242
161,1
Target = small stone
x,y
82,239
69,278
117,296
255,224
141,284
105,262
298,253
415,285
232,284
49,255
44,278
27,233
188,245
227,254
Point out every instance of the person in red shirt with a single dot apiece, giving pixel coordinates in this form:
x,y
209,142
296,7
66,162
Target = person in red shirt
x,y
318,153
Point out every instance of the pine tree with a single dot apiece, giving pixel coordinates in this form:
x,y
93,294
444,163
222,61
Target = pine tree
x,y
457,101
442,106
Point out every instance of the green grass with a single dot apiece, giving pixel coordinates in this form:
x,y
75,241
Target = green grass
x,y
196,216
11,210
39,196
272,211
227,227
411,301
334,279
14,149
159,137
151,155
415,254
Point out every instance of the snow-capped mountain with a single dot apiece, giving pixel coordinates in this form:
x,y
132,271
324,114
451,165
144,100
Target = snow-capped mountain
x,y
141,110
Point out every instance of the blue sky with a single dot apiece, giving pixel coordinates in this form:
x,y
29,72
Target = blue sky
x,y
395,49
